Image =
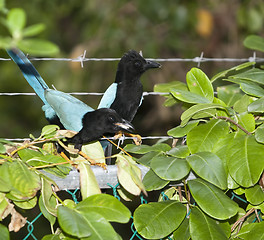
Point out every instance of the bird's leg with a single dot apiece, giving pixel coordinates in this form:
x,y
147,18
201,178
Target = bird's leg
x,y
136,138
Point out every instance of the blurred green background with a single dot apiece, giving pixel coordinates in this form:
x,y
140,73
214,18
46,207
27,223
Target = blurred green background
x,y
161,29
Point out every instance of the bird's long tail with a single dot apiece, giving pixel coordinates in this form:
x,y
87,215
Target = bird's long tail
x,y
30,73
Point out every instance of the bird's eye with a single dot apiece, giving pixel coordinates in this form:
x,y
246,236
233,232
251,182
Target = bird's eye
x,y
137,63
111,119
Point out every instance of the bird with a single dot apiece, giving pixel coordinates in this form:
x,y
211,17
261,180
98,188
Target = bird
x,y
125,95
69,112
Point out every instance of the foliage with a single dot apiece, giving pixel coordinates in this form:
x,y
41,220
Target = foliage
x,y
21,36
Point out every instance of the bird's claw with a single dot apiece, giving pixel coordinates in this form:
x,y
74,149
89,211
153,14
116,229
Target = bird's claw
x,y
137,139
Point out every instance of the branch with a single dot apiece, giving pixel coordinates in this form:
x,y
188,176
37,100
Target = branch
x,y
232,121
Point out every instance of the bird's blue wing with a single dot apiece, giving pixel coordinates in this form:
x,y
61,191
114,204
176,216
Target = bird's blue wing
x,y
109,96
69,109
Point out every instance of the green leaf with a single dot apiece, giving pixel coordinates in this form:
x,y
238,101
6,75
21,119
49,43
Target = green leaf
x,y
247,121
254,42
203,137
49,201
33,30
255,195
199,83
181,151
254,75
189,97
29,204
183,231
38,46
4,233
146,158
2,148
180,131
26,154
142,149
158,219
257,106
252,231
189,113
88,183
43,209
25,182
129,174
152,181
225,73
73,223
170,168
219,207
245,161
242,104
166,87
52,237
203,227
107,206
229,94
49,129
259,134
16,21
94,151
252,89
209,166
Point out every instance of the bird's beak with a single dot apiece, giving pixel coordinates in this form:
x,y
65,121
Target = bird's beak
x,y
151,64
125,126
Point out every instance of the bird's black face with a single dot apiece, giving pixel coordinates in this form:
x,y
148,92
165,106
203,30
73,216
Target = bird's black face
x,y
105,120
132,62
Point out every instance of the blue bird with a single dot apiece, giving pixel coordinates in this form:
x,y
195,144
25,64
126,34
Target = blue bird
x,y
125,95
65,110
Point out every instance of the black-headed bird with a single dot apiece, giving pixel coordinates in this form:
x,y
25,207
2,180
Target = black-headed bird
x,y
65,110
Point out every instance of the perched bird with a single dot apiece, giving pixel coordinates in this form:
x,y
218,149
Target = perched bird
x,y
65,110
125,95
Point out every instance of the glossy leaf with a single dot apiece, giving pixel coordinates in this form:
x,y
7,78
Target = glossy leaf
x,y
245,161
254,75
38,46
180,131
51,218
254,42
209,166
203,227
205,136
189,113
181,151
142,149
255,195
166,87
183,231
49,201
52,237
73,223
4,233
94,151
259,134
158,219
88,183
29,204
219,207
152,181
242,104
25,181
257,106
189,97
107,206
199,83
49,129
129,174
247,121
252,89
252,231
170,168
229,94
146,158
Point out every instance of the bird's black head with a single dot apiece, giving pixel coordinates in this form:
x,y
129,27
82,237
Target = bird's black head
x,y
102,121
133,65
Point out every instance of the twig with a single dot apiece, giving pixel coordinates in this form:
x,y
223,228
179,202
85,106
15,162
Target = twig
x,y
232,121
242,219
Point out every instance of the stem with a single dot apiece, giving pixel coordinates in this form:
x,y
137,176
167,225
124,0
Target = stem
x,y
232,121
186,191
118,146
242,219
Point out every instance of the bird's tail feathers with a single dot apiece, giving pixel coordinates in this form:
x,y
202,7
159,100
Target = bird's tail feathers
x,y
29,71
